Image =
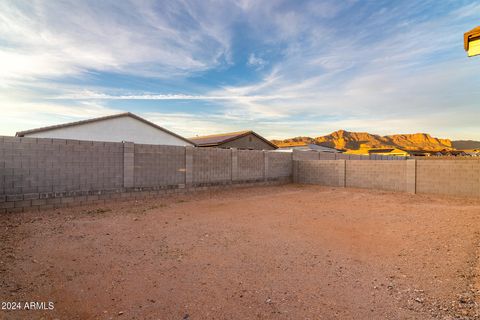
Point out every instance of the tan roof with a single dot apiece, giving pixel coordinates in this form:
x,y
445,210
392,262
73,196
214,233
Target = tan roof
x,y
221,138
119,115
386,150
380,150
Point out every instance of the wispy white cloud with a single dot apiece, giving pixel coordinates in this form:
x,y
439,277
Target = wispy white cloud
x,y
417,71
256,62
92,95
49,39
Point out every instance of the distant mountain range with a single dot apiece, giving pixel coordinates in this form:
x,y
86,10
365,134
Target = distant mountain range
x,y
342,139
466,144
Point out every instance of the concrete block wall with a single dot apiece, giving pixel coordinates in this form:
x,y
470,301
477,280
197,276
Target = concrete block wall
x,y
50,173
342,156
325,172
305,155
250,165
32,166
411,178
450,177
357,157
376,174
128,165
39,173
315,155
212,165
157,165
278,165
326,156
189,166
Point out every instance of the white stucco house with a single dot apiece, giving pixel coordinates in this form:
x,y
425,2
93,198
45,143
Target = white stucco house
x,y
115,128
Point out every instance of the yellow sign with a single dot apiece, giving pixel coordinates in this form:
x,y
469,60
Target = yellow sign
x,y
473,47
471,42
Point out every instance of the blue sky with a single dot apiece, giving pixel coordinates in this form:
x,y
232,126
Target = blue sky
x,y
281,68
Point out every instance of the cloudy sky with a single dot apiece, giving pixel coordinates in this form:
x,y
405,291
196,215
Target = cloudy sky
x,y
281,68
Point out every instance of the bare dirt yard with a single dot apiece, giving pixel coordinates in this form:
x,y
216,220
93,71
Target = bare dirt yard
x,y
282,252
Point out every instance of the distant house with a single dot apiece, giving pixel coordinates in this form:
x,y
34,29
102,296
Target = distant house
x,y
308,147
435,154
473,152
240,140
454,153
388,152
441,153
115,128
423,153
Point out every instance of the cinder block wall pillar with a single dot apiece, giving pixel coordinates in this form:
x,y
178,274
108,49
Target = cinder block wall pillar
x,y
189,166
234,164
128,164
412,176
342,171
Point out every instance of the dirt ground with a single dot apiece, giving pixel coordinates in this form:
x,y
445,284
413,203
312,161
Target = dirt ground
x,y
282,252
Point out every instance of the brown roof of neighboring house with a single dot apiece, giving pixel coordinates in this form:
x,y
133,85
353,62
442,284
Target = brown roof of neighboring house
x,y
453,152
380,150
119,115
472,34
385,150
221,138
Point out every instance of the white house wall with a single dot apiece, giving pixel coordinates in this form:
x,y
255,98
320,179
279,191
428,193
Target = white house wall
x,y
114,130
